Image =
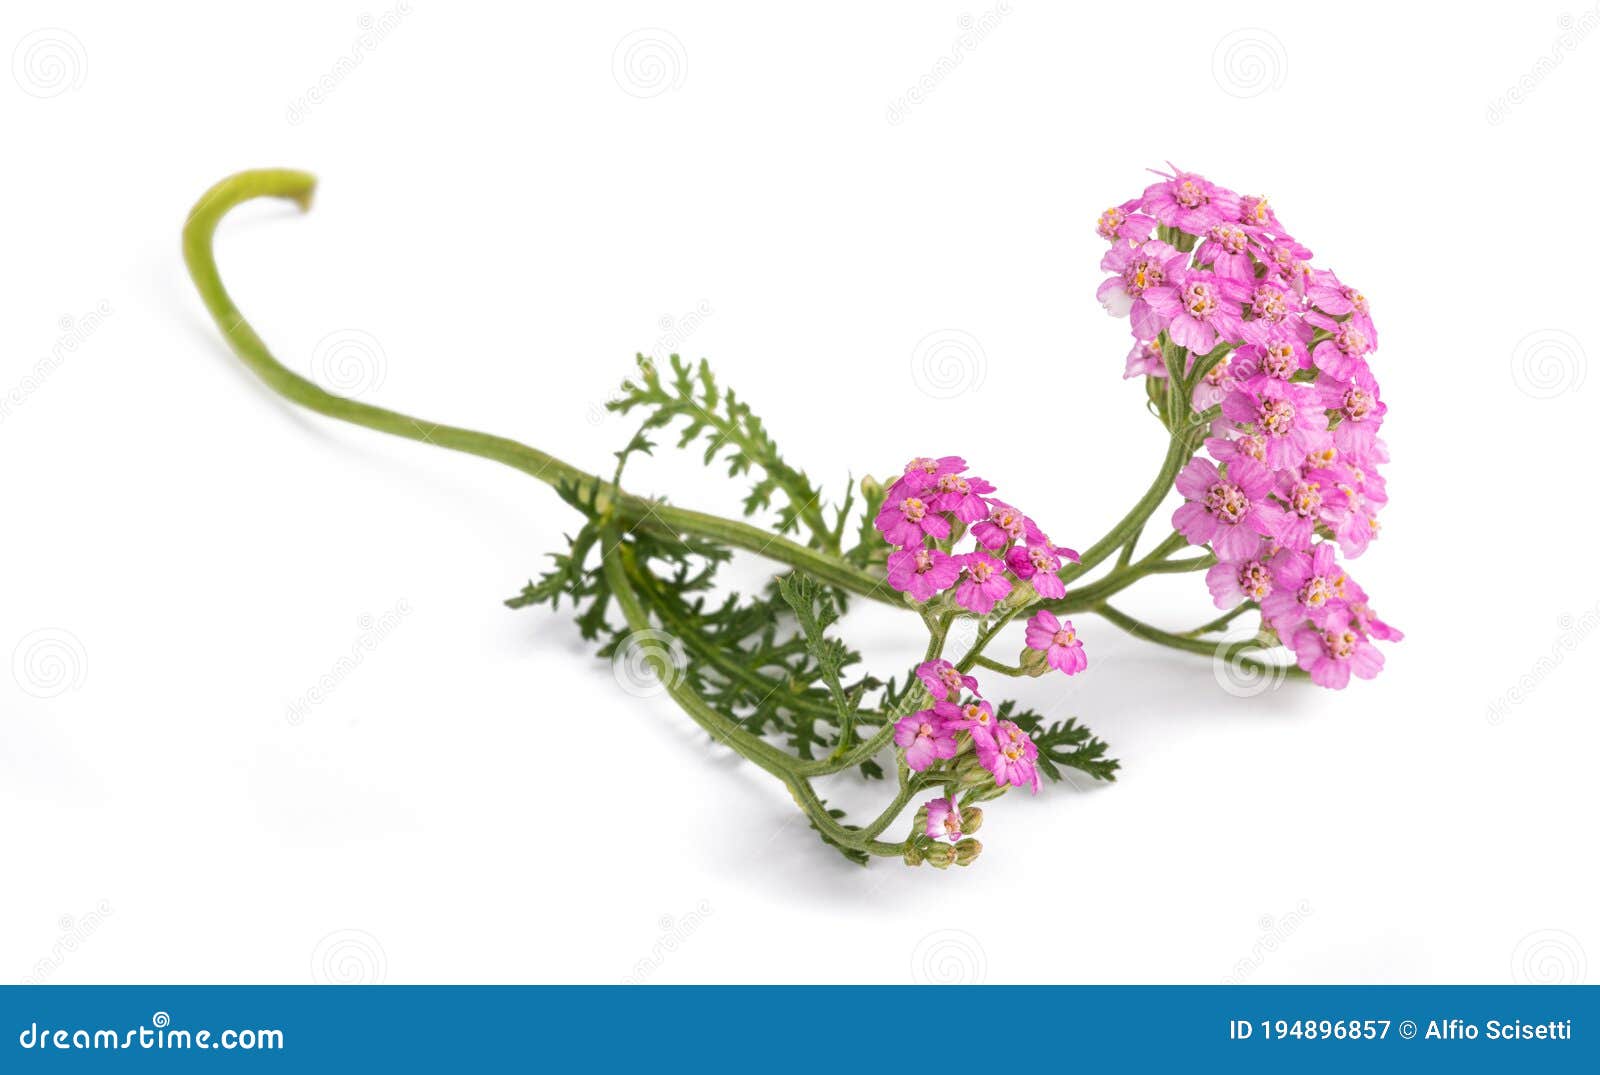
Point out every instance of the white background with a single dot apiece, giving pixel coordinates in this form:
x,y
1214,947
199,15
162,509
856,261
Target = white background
x,y
510,215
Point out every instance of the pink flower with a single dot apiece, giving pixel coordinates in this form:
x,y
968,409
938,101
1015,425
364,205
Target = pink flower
x,y
974,715
1295,525
1124,222
1287,259
1271,303
905,521
943,680
1010,757
1275,352
1145,360
1238,444
1340,354
1138,268
1198,307
1227,250
1306,587
1189,202
1332,651
1214,387
1285,413
922,572
1354,398
1229,513
1256,214
1233,581
961,496
1059,642
944,819
1040,563
1004,525
923,471
925,739
1326,293
984,584
1367,622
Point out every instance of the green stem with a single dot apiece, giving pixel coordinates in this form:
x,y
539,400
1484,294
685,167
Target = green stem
x,y
1154,562
724,730
1212,626
996,666
632,511
1233,651
1178,452
674,621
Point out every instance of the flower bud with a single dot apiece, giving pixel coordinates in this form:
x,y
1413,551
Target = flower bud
x,y
940,856
967,852
971,820
913,857
1033,662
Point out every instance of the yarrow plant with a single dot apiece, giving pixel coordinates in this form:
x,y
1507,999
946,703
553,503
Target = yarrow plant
x,y
1238,334
1246,351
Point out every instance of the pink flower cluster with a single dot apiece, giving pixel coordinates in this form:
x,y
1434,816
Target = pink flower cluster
x,y
931,506
1294,449
959,710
